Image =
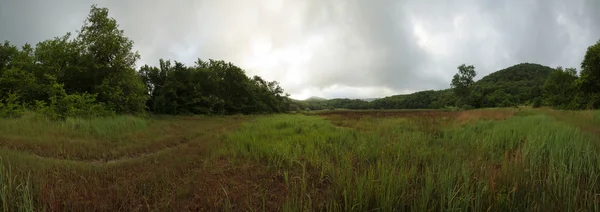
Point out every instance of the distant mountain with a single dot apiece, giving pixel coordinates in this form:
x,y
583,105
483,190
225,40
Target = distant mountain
x,y
369,99
315,99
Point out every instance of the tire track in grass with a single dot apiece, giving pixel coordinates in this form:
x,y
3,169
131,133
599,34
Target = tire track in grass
x,y
209,133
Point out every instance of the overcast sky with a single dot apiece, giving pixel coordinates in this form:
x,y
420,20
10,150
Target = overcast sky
x,y
333,48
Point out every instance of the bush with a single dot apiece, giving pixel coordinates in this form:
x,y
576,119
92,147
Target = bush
x,y
537,102
63,105
10,107
450,108
466,107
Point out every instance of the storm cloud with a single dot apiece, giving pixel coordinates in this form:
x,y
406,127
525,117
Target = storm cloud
x,y
333,48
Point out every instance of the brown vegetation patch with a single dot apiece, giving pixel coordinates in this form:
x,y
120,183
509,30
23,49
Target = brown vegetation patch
x,y
173,133
356,114
426,116
215,187
474,115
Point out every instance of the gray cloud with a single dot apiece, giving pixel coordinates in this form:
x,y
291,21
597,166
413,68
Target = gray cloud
x,y
334,48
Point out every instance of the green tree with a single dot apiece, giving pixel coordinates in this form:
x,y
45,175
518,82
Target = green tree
x,y
462,81
7,53
63,59
112,63
18,82
560,88
589,82
210,87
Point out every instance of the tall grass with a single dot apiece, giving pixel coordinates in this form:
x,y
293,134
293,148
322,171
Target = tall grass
x,y
15,193
105,127
524,163
100,128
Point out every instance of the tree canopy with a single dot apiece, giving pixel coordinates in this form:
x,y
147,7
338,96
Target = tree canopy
x,y
94,73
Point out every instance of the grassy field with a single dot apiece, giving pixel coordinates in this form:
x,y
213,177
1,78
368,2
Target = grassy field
x,y
417,160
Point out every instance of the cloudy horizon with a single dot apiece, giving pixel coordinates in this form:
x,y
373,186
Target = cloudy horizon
x,y
333,48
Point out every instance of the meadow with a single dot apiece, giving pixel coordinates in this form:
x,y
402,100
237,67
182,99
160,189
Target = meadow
x,y
509,159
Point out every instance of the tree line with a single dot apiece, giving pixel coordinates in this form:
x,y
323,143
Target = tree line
x,y
522,84
95,74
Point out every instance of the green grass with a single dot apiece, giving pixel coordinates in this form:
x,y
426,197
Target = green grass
x,y
15,194
107,138
524,163
480,160
98,128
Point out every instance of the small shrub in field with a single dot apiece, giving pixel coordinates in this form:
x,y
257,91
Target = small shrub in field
x,y
537,102
466,107
451,108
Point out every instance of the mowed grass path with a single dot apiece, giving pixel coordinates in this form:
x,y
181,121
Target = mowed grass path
x,y
493,159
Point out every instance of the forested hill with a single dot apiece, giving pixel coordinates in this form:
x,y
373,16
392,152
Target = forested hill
x,y
515,85
519,72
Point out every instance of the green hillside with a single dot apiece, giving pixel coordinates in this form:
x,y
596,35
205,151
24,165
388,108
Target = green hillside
x,y
515,85
518,84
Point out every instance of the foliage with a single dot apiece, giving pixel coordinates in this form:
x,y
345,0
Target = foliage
x,y
63,105
589,82
515,85
213,87
318,104
419,100
94,74
112,63
10,107
537,102
560,88
462,81
565,90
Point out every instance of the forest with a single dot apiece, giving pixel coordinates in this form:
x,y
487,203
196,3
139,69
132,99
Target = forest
x,y
94,74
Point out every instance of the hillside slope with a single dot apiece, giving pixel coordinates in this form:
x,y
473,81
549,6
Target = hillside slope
x,y
518,84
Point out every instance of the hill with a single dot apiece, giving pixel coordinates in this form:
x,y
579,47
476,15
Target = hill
x,y
315,99
518,84
369,99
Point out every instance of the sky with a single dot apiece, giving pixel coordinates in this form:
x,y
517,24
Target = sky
x,y
333,48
